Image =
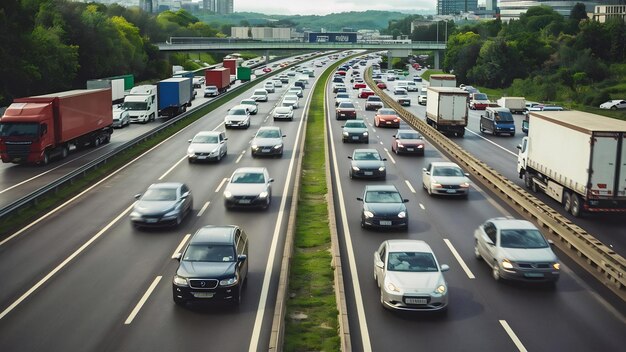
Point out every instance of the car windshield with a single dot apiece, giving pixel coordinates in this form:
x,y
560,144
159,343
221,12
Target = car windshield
x,y
248,177
480,96
268,134
238,112
135,105
374,98
160,194
355,124
504,116
522,238
411,261
209,253
447,171
383,197
19,129
346,105
409,135
387,112
282,110
205,139
343,95
365,155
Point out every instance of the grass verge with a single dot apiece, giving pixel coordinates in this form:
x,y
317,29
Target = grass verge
x,y
311,318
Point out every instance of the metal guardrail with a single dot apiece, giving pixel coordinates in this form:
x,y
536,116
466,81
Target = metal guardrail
x,y
601,261
54,186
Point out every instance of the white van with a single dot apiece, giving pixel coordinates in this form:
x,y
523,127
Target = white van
x,y
421,99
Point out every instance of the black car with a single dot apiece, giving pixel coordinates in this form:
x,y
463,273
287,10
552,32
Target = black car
x,y
367,163
213,267
383,207
163,204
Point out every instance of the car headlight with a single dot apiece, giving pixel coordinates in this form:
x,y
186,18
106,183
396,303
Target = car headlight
x,y
392,287
441,289
507,264
368,214
345,133
190,151
180,281
464,185
400,145
227,194
229,282
278,146
355,168
402,214
556,266
215,151
263,194
254,147
365,133
135,215
381,169
171,213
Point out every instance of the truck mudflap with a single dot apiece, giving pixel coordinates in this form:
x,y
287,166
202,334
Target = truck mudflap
x,y
598,205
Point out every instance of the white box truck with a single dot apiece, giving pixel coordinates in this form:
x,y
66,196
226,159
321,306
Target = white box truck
x,y
577,158
142,103
116,85
446,109
516,105
442,80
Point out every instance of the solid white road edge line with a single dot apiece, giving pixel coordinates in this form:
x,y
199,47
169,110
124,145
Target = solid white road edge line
x,y
220,185
409,185
64,263
172,168
512,335
467,270
143,300
180,246
206,205
365,338
260,311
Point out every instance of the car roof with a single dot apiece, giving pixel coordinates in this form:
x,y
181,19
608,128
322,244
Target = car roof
x,y
444,163
367,150
209,133
510,223
165,185
214,234
239,106
250,169
408,245
381,188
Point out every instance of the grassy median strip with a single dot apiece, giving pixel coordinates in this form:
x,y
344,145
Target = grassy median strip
x,y
311,318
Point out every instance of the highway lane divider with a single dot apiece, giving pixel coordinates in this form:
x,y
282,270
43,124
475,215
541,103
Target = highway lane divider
x,y
598,259
22,211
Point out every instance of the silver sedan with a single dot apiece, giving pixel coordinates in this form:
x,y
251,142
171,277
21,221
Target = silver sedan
x,y
409,276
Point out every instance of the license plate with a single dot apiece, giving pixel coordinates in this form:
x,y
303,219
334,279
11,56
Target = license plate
x,y
451,191
245,201
201,157
533,274
151,220
266,150
415,300
368,173
410,149
355,137
385,223
342,114
203,294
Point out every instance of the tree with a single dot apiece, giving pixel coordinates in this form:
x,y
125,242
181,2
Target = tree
x,y
462,53
578,12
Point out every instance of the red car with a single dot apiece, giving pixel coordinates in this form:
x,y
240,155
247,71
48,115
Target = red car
x,y
386,117
342,73
381,85
267,69
358,85
345,111
407,142
365,92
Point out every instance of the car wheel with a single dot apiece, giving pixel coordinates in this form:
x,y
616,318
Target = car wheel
x,y
267,202
430,191
567,202
476,252
613,107
482,130
190,160
219,156
237,299
576,206
495,272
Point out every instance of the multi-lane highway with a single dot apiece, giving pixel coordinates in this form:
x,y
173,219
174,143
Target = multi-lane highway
x,y
483,315
86,280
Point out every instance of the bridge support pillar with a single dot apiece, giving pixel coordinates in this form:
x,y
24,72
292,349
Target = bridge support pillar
x,y
437,58
389,60
267,56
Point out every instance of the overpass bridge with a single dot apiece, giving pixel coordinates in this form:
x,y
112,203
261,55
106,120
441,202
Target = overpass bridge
x,y
396,48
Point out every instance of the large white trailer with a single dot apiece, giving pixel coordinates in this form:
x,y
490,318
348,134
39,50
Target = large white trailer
x,y
446,109
577,158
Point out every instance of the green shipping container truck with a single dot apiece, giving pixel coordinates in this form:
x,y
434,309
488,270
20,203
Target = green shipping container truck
x,y
244,73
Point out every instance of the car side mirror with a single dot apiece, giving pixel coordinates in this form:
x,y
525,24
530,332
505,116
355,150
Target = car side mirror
x,y
359,198
466,174
380,264
137,196
384,159
185,195
242,258
189,141
271,180
405,200
284,135
519,146
349,157
551,242
177,256
445,267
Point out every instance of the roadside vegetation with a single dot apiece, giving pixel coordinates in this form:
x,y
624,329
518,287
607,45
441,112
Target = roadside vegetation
x,y
312,317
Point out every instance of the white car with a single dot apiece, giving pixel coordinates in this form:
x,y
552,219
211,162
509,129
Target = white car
x,y
121,118
253,106
198,81
211,91
277,83
409,276
259,95
238,117
283,113
445,178
269,87
291,100
207,145
614,104
295,91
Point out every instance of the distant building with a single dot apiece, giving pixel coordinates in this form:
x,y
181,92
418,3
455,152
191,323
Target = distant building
x,y
421,24
602,13
512,9
224,7
261,33
450,7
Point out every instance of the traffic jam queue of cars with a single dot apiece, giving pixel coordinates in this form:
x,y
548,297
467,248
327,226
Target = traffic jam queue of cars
x,y
406,271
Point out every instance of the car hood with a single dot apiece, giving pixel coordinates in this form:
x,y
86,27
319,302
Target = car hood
x,y
531,255
411,141
411,282
207,270
388,117
203,147
236,117
149,207
384,209
450,180
266,142
368,164
246,189
354,129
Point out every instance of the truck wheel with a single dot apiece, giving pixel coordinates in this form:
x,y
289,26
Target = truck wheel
x,y
64,152
96,142
576,210
528,180
46,158
567,202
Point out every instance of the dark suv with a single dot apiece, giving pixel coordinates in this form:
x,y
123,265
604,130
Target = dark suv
x,y
497,121
213,266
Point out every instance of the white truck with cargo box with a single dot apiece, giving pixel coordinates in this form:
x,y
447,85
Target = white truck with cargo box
x,y
442,80
446,109
116,85
516,105
577,158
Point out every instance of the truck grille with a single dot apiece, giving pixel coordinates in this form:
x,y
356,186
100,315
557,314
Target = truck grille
x,y
18,149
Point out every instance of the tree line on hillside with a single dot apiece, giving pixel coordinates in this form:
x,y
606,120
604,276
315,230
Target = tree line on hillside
x,y
56,45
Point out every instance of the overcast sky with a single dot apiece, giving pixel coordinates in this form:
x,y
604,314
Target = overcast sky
x,y
323,7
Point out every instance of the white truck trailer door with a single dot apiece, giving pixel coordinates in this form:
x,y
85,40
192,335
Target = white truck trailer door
x,y
460,106
621,186
604,164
